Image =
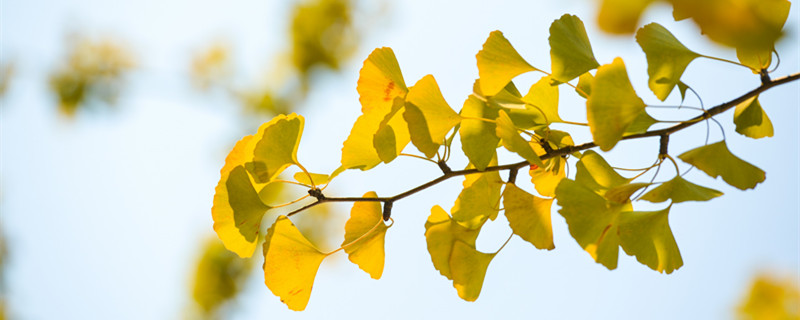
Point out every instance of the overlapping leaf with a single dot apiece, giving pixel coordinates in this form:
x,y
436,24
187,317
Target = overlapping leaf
x,y
468,267
717,161
544,98
751,120
570,51
596,174
479,199
364,236
317,178
529,216
545,179
290,264
478,138
277,146
508,135
647,236
613,105
498,63
428,115
381,88
441,232
679,190
667,58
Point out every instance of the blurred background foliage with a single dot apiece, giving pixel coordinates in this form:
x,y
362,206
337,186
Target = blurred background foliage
x,y
771,297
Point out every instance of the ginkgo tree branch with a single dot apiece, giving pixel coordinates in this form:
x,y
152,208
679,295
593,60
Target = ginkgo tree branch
x,y
549,153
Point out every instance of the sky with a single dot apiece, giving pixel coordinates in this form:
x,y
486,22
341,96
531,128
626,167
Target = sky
x,y
104,214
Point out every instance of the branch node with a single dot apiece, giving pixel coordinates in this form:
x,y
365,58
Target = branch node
x,y
443,165
316,193
387,210
663,148
512,175
764,76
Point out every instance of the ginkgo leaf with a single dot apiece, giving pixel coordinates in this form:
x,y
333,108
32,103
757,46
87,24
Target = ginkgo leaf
x,y
529,216
380,84
392,135
469,266
507,133
756,59
647,236
682,87
613,105
237,209
584,87
592,221
428,115
596,174
478,138
570,51
544,97
318,178
751,120
277,146
498,63
479,199
680,190
440,233
290,264
622,193
640,124
546,180
667,58
620,16
364,235
717,161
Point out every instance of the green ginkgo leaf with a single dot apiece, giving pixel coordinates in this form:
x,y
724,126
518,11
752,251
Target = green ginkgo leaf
x,y
428,115
570,51
479,199
544,98
510,138
751,120
647,236
469,266
584,87
667,58
380,85
622,193
680,190
440,234
596,174
529,216
613,105
276,148
640,125
498,63
717,161
478,139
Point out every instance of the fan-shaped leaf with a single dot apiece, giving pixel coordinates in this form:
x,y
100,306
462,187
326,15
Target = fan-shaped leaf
x,y
478,138
428,115
290,264
318,178
717,161
640,125
647,236
613,105
507,133
479,199
366,220
544,97
276,148
529,216
622,193
498,63
570,51
667,58
545,179
751,120
595,173
584,87
469,269
440,233
680,190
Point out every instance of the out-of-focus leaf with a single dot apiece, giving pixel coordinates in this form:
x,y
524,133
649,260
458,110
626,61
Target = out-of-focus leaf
x,y
613,105
679,190
290,264
219,277
428,115
478,138
367,252
441,232
498,63
468,267
717,161
212,67
621,16
277,146
771,297
507,133
529,216
380,88
751,120
667,58
322,34
570,51
647,236
544,97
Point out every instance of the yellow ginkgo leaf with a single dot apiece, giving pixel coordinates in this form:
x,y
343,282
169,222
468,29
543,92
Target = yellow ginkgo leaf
x,y
237,209
318,178
717,161
620,16
544,98
440,233
679,190
622,193
510,138
570,51
478,138
468,266
613,104
498,63
479,199
545,179
584,87
364,235
647,236
428,115
276,148
380,84
529,216
751,120
290,264
667,58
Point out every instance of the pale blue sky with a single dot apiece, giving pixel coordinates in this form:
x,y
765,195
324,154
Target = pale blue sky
x,y
104,214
